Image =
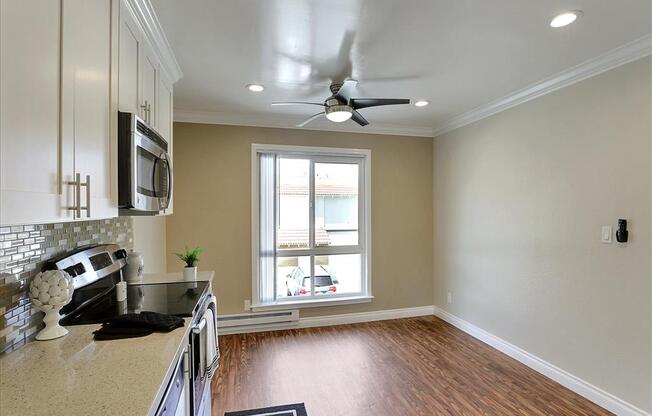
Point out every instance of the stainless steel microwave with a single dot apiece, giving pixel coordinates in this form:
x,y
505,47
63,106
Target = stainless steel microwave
x,y
144,168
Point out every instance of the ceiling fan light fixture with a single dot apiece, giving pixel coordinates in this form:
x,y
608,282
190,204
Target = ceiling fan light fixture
x,y
566,18
255,87
339,113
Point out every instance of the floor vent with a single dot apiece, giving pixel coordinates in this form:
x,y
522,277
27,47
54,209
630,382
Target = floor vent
x,y
258,321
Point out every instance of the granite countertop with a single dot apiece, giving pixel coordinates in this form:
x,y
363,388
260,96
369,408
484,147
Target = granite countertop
x,y
75,375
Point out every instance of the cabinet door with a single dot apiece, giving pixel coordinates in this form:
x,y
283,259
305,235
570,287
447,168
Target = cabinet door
x,y
86,103
31,190
150,81
130,50
164,107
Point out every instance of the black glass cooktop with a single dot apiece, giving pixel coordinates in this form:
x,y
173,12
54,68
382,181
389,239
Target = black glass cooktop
x,y
178,299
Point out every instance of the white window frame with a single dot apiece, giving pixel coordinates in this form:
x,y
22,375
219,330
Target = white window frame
x,y
364,225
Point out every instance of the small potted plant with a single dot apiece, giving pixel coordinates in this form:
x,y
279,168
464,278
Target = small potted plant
x,y
190,258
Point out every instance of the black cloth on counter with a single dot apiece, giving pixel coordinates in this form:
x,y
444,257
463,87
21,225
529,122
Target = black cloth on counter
x,y
134,325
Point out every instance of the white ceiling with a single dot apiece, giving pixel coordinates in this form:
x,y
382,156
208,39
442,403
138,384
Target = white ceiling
x,y
459,54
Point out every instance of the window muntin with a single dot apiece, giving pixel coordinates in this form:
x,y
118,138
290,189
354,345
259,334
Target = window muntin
x,y
312,205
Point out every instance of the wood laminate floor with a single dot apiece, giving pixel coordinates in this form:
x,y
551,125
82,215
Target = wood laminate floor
x,y
417,366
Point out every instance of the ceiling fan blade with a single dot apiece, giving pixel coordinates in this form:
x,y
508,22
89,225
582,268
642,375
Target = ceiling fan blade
x,y
346,90
358,103
297,103
311,118
395,78
357,117
343,65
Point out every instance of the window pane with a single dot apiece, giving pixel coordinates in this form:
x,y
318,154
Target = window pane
x,y
294,204
336,204
337,274
290,275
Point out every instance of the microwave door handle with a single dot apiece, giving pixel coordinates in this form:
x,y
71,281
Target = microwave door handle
x,y
156,159
169,167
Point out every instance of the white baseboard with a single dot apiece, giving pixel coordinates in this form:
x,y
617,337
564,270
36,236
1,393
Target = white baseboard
x,y
340,319
576,384
352,318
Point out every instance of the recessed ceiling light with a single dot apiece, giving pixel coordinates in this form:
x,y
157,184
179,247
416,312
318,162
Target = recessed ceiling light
x,y
422,103
255,87
565,18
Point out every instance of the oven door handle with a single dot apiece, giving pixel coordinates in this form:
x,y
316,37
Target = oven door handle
x,y
199,327
197,330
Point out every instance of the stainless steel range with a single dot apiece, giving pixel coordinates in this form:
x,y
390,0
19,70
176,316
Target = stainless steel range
x,y
96,271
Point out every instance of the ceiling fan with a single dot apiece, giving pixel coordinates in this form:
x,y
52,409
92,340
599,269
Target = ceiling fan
x,y
341,106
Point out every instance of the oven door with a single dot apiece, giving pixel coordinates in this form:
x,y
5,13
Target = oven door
x,y
153,175
198,376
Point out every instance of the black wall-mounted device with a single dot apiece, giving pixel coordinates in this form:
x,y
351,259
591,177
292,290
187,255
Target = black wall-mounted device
x,y
622,234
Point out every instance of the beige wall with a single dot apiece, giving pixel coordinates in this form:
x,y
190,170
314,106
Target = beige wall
x,y
212,208
520,199
149,240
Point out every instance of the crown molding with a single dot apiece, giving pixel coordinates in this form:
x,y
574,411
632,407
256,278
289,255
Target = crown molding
x,y
280,121
621,55
150,24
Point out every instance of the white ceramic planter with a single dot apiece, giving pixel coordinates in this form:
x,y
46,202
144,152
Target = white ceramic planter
x,y
190,274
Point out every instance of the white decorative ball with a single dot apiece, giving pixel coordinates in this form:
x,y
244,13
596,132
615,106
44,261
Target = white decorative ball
x,y
44,297
53,279
52,288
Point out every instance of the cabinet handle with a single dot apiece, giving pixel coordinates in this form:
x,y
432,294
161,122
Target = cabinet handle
x,y
143,108
149,113
88,196
77,208
186,362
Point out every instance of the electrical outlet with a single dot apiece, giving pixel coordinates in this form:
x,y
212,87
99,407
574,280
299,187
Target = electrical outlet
x,y
247,305
449,297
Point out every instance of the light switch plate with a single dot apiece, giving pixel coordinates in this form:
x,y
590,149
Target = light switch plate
x,y
606,234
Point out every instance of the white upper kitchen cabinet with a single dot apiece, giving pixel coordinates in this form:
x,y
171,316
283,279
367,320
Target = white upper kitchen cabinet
x,y
31,189
150,81
164,109
139,67
129,68
66,68
86,111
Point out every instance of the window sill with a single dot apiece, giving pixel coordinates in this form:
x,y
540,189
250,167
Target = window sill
x,y
311,303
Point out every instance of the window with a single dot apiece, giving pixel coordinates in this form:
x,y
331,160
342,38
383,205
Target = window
x,y
310,225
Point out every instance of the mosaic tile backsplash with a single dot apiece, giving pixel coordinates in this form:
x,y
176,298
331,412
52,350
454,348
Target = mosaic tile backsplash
x,y
23,251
